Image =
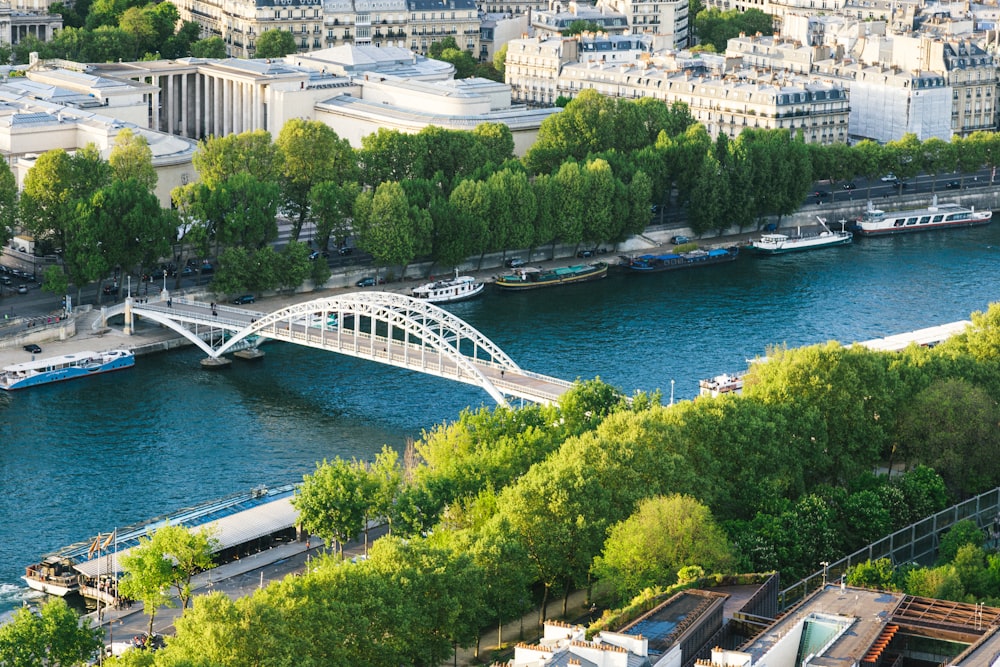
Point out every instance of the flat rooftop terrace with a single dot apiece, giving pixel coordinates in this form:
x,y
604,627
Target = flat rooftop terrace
x,y
864,612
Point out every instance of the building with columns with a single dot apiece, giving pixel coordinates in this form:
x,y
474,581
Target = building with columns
x,y
355,90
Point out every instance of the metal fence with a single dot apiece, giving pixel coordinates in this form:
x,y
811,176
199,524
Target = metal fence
x,y
917,543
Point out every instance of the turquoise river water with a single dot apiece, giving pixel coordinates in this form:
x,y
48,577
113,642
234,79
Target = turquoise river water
x,y
84,457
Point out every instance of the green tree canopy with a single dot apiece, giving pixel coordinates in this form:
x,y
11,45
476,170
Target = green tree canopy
x,y
664,534
53,637
275,44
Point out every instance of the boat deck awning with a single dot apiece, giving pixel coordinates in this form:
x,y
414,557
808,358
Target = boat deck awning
x,y
232,530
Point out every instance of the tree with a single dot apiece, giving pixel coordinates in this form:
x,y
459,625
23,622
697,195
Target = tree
x,y
132,158
219,158
580,25
438,47
124,222
391,230
53,189
332,205
210,47
878,574
275,44
663,535
312,153
389,155
334,501
951,427
8,203
961,533
170,557
500,60
464,63
52,637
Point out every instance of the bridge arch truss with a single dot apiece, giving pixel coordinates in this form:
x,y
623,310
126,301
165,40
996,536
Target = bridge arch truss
x,y
385,327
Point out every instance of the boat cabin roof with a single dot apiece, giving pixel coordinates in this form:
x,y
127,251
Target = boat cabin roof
x,y
49,362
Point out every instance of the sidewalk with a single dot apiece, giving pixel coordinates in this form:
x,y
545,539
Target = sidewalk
x,y
577,611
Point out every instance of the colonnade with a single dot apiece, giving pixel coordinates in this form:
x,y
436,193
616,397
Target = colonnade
x,y
40,26
195,104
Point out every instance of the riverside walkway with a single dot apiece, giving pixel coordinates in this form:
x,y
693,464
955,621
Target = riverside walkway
x,y
384,327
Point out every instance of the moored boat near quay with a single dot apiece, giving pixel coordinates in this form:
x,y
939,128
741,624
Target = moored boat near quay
x,y
721,384
779,244
65,367
534,278
55,576
449,290
682,260
876,222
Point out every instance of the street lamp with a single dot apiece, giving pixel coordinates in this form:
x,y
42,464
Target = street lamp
x,y
164,280
825,565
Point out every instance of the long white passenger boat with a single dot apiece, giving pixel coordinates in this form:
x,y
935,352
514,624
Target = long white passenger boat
x,y
876,222
64,367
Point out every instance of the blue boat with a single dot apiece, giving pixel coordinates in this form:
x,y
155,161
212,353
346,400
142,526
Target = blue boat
x,y
64,367
683,260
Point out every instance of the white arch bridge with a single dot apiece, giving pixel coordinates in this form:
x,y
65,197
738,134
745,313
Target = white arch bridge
x,y
383,327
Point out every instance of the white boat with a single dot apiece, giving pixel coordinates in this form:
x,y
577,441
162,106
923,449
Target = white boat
x,y
778,244
65,367
458,288
54,575
876,222
721,384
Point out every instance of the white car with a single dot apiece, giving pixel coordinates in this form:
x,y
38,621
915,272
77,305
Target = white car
x,y
889,177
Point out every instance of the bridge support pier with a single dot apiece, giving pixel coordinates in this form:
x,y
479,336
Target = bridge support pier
x,y
249,354
214,363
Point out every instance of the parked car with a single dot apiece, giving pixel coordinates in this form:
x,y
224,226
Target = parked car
x,y
345,250
369,282
850,186
23,289
953,185
316,254
244,299
820,194
514,262
889,178
31,347
679,240
585,253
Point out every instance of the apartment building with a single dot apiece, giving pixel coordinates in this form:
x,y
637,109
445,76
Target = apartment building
x,y
667,20
899,83
725,104
559,16
318,24
533,64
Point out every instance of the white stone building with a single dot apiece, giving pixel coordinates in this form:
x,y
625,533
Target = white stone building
x,y
355,90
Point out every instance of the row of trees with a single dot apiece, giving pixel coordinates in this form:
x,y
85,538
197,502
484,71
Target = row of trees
x,y
110,31
450,195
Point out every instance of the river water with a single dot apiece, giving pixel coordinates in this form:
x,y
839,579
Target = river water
x,y
80,458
